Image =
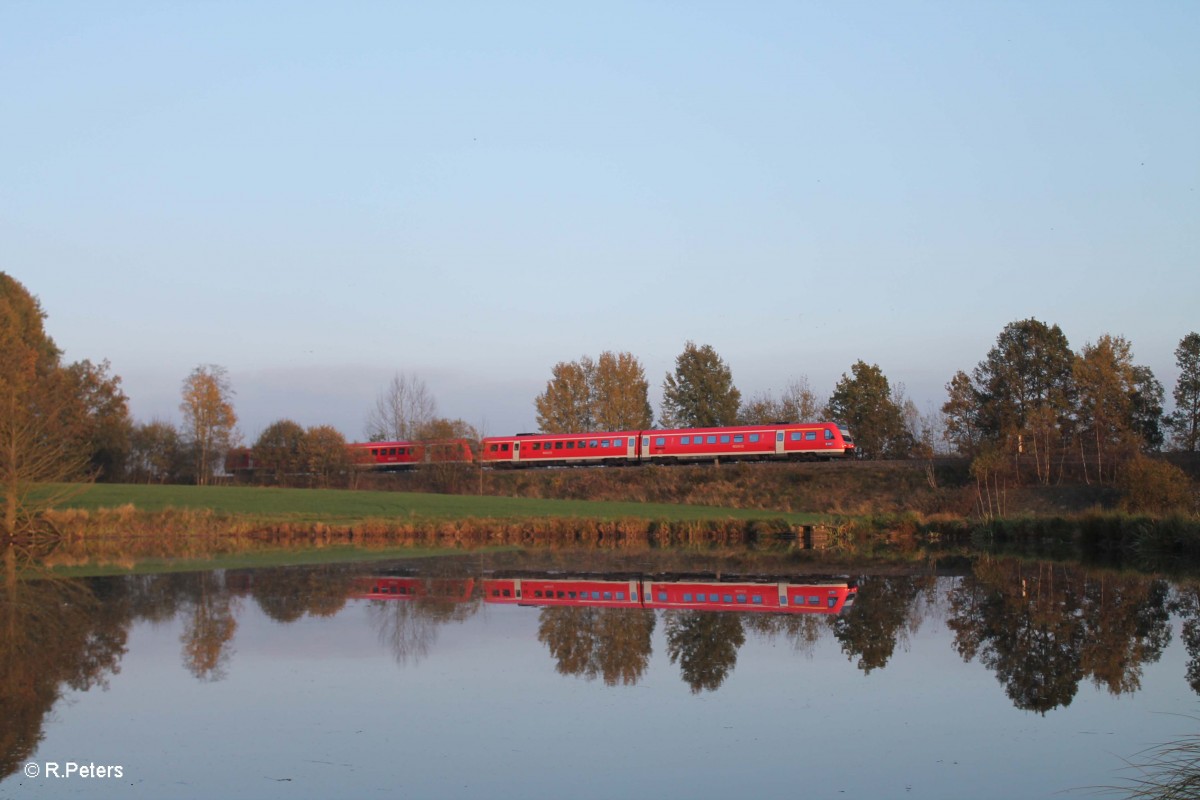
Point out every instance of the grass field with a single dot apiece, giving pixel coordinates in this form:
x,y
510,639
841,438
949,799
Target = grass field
x,y
336,506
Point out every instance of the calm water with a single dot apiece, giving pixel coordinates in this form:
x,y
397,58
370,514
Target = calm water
x,y
998,678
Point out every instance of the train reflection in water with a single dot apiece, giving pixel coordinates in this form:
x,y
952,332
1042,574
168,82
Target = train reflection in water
x,y
665,592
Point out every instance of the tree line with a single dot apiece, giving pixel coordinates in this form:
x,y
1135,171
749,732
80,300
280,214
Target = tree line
x,y
1031,394
1032,409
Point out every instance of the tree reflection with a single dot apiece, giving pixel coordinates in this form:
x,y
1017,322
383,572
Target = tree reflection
x,y
884,613
53,633
409,628
1043,627
287,594
611,643
802,630
208,628
705,645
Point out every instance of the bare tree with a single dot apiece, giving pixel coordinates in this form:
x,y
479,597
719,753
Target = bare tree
x,y
401,411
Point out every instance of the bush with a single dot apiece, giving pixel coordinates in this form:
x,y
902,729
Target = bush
x,y
1155,487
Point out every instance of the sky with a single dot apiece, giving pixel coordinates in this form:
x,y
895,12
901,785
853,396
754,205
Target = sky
x,y
317,196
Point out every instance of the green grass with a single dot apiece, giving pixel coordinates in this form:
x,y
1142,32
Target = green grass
x,y
334,506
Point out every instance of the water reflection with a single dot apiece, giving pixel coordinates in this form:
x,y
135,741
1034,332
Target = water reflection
x,y
1042,628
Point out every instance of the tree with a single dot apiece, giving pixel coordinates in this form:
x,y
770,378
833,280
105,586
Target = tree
x,y
1104,385
1024,390
566,405
610,394
401,410
797,403
620,394
1185,421
700,393
157,454
324,454
1147,402
864,403
279,450
36,412
208,417
961,412
102,423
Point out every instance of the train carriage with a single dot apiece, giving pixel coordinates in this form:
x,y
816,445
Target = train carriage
x,y
794,441
560,449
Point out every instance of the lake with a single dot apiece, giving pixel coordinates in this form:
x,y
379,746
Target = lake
x,y
595,675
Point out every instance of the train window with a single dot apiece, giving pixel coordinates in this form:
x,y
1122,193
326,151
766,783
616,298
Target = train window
x,y
756,598
618,442
796,436
813,600
783,599
811,436
659,441
832,601
604,442
537,593
558,445
595,595
738,438
633,595
593,443
559,595
507,593
620,595
711,440
608,595
725,438
828,434
504,447
728,598
662,597
741,598
570,445
754,437
374,451
798,600
537,446
685,440
687,598
492,448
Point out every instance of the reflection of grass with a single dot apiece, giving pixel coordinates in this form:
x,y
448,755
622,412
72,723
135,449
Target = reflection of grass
x,y
251,559
334,506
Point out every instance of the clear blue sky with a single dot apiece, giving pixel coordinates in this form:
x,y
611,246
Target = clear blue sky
x,y
317,195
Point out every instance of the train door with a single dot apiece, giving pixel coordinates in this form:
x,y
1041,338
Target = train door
x,y
779,443
631,453
516,452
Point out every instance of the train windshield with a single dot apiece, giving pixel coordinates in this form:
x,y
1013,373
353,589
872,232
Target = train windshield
x,y
845,435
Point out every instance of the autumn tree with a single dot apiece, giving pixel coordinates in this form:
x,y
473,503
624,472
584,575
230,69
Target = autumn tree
x,y
1025,391
796,403
700,393
37,410
279,450
566,405
1108,391
1185,421
864,402
401,410
157,454
324,454
961,413
208,417
609,394
100,417
620,393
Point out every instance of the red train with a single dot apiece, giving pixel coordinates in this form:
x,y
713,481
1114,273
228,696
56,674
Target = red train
x,y
792,441
775,442
694,595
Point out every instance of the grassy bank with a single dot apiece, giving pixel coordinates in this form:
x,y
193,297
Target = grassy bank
x,y
344,507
